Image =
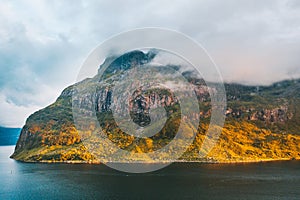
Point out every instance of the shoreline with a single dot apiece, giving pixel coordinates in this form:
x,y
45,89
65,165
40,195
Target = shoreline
x,y
163,162
208,161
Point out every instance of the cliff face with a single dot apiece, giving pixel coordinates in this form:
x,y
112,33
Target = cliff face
x,y
261,122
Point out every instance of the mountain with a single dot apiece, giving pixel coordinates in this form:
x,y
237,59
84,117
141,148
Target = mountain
x,y
262,122
9,136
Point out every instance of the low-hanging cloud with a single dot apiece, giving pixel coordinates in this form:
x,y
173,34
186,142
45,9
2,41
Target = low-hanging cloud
x,y
44,43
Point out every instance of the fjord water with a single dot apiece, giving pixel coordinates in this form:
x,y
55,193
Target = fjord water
x,y
273,180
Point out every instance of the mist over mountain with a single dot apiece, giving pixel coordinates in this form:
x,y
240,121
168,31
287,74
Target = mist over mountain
x,y
262,122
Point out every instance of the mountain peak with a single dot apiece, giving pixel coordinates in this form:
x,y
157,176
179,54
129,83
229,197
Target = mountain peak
x,y
133,58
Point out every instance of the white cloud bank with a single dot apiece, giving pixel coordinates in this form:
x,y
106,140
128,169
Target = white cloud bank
x,y
43,43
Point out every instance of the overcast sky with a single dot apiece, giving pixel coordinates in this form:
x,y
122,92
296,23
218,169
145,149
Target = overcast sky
x,y
44,43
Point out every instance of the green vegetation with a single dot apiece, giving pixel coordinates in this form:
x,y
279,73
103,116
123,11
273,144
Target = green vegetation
x,y
262,123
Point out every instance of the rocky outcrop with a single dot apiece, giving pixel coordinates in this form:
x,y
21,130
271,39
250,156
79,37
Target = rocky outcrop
x,y
271,112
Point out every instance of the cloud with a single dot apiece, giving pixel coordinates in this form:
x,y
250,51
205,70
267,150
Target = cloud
x,y
44,43
13,115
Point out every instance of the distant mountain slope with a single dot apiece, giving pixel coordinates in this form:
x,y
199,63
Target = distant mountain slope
x,y
262,123
9,136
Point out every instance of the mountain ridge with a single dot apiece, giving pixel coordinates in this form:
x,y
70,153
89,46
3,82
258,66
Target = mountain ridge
x,y
262,123
9,136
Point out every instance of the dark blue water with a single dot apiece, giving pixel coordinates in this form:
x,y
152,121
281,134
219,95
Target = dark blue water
x,y
276,180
